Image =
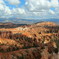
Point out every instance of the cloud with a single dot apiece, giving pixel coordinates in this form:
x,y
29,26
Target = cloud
x,y
36,9
52,12
18,10
14,2
39,5
54,3
2,2
4,10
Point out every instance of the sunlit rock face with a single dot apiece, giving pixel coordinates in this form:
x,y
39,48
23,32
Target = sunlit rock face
x,y
22,29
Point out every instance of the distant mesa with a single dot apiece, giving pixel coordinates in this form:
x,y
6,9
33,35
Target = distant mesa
x,y
46,23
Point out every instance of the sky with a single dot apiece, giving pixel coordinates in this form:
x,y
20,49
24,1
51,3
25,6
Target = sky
x,y
29,9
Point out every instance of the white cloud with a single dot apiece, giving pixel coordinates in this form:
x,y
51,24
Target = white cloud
x,y
7,10
51,11
1,7
14,2
4,10
54,3
2,2
42,6
38,5
19,11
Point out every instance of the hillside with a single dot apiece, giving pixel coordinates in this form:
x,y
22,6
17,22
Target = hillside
x,y
10,25
46,23
35,41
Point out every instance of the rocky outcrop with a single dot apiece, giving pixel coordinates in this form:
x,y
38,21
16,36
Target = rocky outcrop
x,y
6,34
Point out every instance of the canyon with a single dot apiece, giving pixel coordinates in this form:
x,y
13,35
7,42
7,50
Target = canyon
x,y
35,41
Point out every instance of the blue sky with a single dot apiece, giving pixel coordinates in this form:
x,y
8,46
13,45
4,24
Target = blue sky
x,y
29,9
52,8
